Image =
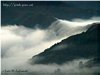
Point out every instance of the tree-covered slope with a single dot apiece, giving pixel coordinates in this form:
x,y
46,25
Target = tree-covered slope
x,y
84,45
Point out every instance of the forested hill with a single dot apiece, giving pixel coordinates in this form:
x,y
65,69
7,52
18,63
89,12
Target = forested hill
x,y
84,45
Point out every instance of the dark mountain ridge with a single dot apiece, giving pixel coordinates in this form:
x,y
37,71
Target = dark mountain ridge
x,y
84,45
42,13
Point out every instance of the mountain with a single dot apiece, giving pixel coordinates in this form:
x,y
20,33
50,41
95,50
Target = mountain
x,y
84,45
42,13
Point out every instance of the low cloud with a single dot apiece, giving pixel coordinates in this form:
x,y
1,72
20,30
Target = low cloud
x,y
19,44
71,68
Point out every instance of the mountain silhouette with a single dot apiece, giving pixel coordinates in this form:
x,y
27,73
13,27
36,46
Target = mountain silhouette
x,y
84,45
43,13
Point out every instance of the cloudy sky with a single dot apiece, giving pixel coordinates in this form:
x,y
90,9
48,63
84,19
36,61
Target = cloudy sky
x,y
27,31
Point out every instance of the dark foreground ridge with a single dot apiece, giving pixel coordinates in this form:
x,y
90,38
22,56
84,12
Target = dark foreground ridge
x,y
84,45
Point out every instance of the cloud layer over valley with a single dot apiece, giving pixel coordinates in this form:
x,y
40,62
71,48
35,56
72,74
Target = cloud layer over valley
x,y
19,43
